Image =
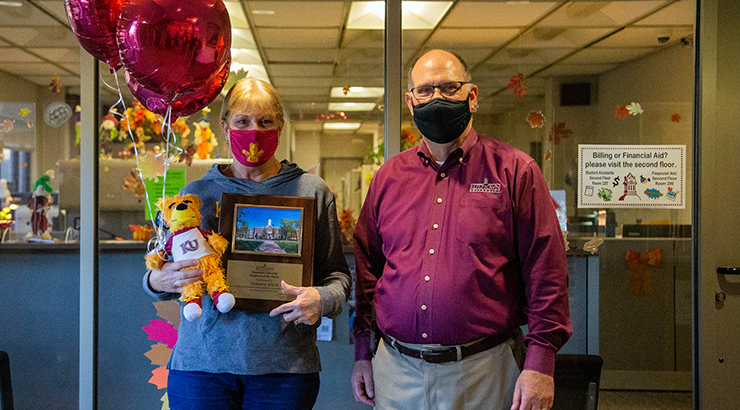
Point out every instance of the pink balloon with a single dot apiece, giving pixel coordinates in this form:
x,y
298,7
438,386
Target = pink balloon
x,y
185,104
174,47
94,24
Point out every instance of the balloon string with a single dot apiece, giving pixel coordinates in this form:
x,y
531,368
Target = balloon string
x,y
159,242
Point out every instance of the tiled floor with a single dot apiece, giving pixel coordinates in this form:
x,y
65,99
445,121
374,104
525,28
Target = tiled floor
x,y
641,400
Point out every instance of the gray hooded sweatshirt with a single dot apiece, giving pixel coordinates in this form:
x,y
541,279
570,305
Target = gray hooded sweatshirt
x,y
252,344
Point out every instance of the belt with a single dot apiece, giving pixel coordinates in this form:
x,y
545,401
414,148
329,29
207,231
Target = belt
x,y
449,353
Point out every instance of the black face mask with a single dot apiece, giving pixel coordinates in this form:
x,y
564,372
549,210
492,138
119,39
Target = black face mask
x,y
441,120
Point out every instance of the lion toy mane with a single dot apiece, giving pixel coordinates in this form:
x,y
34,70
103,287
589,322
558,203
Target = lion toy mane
x,y
187,241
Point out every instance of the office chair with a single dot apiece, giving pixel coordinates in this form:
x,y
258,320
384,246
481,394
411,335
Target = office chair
x,y
6,391
577,381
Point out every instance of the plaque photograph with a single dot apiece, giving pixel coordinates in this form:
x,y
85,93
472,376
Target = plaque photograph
x,y
270,240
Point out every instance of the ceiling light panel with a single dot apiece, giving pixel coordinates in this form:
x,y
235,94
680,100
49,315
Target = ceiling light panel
x,y
496,14
416,15
297,13
351,106
341,125
236,15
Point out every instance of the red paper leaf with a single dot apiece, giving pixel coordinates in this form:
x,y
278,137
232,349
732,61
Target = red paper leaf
x,y
621,112
161,331
517,84
558,132
676,117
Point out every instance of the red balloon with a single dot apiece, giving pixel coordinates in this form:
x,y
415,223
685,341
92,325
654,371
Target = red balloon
x,y
94,23
174,47
185,104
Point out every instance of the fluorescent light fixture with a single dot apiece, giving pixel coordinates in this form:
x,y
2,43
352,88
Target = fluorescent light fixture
x,y
416,15
265,12
11,3
351,106
341,125
358,92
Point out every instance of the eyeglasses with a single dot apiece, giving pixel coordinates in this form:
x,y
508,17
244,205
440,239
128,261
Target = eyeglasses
x,y
448,90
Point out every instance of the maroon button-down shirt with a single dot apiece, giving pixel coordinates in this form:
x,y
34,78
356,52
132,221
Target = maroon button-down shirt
x,y
450,254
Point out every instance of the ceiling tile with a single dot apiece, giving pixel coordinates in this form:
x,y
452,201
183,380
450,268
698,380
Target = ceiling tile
x,y
301,81
624,12
55,7
515,56
312,55
471,14
298,14
299,38
26,15
608,55
580,14
44,80
59,55
679,13
645,36
301,70
365,39
446,37
31,69
17,55
577,69
56,36
74,68
559,37
304,90
343,81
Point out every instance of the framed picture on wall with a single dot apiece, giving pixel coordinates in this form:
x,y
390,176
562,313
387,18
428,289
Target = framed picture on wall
x,y
270,240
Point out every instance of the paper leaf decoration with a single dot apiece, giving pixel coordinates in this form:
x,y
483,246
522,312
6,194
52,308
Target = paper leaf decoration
x,y
635,108
6,126
169,310
159,377
187,155
536,119
346,89
548,154
56,85
565,238
593,244
151,167
621,112
559,132
676,117
161,331
159,354
641,281
24,112
165,402
517,84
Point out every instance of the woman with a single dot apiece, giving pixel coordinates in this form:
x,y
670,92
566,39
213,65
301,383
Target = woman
x,y
237,360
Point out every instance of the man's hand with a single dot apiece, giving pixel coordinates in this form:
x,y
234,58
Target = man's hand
x,y
533,391
173,276
304,309
363,385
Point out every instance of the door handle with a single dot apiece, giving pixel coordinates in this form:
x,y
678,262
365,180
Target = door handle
x,y
728,271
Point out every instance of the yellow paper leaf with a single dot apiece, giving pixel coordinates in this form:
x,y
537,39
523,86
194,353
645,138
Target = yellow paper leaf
x,y
165,402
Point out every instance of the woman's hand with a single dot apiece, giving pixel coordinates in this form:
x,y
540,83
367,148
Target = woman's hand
x,y
173,276
305,309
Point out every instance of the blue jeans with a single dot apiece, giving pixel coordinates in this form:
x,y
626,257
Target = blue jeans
x,y
225,391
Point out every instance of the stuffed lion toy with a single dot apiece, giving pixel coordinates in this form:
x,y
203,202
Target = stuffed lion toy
x,y
187,241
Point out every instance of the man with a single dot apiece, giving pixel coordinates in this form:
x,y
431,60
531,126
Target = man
x,y
456,247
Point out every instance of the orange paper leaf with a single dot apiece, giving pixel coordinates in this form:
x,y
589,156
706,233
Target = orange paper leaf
x,y
621,112
676,117
159,377
517,84
558,132
536,119
159,354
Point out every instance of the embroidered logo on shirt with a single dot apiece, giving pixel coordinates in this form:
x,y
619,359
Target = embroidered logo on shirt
x,y
485,187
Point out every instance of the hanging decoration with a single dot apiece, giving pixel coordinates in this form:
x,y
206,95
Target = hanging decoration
x,y
150,166
536,119
56,85
516,83
186,155
640,263
6,125
204,138
558,132
57,113
408,139
635,108
132,183
548,154
676,117
621,112
346,89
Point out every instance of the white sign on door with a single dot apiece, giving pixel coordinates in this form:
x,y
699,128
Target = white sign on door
x,y
632,176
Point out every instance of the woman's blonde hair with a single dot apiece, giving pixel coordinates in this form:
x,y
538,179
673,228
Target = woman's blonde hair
x,y
252,96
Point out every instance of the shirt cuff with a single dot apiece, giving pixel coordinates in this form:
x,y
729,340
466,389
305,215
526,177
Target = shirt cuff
x,y
155,293
540,359
362,345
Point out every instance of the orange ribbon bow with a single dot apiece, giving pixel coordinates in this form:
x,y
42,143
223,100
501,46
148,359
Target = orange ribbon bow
x,y
639,264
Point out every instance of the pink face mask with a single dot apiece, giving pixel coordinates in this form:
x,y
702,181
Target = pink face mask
x,y
253,148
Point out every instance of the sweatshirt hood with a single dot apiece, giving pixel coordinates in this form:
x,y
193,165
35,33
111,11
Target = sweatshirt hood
x,y
287,173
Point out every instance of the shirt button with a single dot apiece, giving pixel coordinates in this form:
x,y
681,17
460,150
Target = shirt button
x,y
431,251
424,335
423,307
439,200
442,175
435,226
427,278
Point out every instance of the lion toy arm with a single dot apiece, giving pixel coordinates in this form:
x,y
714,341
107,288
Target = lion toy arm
x,y
218,242
154,261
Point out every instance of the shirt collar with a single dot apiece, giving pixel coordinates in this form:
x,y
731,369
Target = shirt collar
x,y
461,152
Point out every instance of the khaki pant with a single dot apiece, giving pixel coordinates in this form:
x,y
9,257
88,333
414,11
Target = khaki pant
x,y
484,380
